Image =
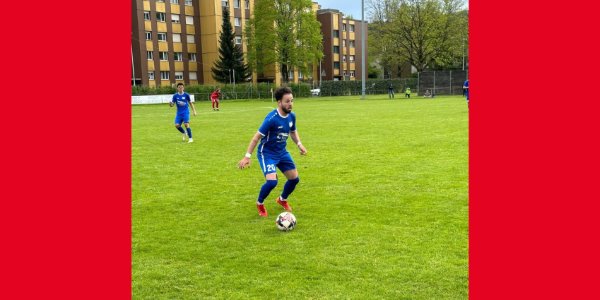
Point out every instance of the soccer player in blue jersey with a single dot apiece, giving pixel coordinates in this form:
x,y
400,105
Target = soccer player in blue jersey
x,y
183,101
271,139
466,91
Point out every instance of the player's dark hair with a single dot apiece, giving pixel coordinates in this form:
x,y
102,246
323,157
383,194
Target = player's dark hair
x,y
282,91
179,84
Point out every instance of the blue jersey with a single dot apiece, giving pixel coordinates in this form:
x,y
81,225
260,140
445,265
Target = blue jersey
x,y
182,101
275,130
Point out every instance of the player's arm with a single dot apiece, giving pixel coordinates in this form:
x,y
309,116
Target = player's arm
x,y
172,103
193,107
246,160
296,138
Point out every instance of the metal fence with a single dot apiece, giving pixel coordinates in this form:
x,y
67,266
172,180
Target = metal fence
x,y
442,82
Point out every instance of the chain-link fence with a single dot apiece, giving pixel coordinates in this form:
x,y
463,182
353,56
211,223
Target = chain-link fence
x,y
436,82
442,82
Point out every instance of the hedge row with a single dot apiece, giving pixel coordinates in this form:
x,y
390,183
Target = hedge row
x,y
229,91
263,90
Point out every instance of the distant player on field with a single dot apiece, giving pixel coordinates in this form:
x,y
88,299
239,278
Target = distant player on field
x,y
466,89
272,153
214,98
407,93
183,100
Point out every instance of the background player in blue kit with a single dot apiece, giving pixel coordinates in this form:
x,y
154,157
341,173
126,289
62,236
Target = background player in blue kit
x,y
272,152
183,100
466,90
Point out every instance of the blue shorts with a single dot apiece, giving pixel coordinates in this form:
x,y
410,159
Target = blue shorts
x,y
182,118
268,163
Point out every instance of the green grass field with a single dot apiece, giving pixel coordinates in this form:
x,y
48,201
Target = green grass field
x,y
382,205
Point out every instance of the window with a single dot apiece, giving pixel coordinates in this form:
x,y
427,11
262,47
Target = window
x,y
148,35
178,75
236,3
149,55
163,55
190,39
192,56
343,27
162,36
225,3
343,58
345,73
189,20
151,75
161,16
336,49
351,44
336,64
175,1
238,22
177,37
291,75
178,56
336,33
351,58
188,2
300,76
247,4
175,18
164,75
238,40
344,43
193,76
352,73
351,28
146,15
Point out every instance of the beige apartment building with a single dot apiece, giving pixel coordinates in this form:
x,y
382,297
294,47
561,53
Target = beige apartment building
x,y
342,40
178,40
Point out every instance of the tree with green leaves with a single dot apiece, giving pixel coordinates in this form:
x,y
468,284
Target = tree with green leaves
x,y
424,33
230,66
284,33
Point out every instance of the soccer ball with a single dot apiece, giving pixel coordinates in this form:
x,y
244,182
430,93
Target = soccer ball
x,y
286,221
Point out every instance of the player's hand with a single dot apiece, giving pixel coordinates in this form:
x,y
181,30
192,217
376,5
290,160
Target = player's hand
x,y
303,150
245,162
194,113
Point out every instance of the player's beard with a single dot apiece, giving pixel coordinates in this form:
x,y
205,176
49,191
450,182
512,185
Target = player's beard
x,y
285,110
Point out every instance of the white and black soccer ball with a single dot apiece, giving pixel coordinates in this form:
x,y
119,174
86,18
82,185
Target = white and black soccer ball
x,y
286,221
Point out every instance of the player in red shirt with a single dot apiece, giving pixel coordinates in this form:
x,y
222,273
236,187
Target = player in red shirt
x,y
214,98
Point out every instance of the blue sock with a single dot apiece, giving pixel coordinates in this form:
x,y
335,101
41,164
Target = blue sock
x,y
189,131
180,129
266,189
289,187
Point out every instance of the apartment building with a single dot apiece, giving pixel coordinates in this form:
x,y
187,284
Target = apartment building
x,y
178,40
342,40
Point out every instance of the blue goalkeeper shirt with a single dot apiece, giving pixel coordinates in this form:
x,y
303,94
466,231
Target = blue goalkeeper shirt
x,y
275,130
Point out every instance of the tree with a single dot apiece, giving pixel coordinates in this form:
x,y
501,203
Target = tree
x,y
382,45
425,33
284,33
230,66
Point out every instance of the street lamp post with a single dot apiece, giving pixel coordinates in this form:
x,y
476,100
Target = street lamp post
x,y
463,53
132,65
320,74
363,62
